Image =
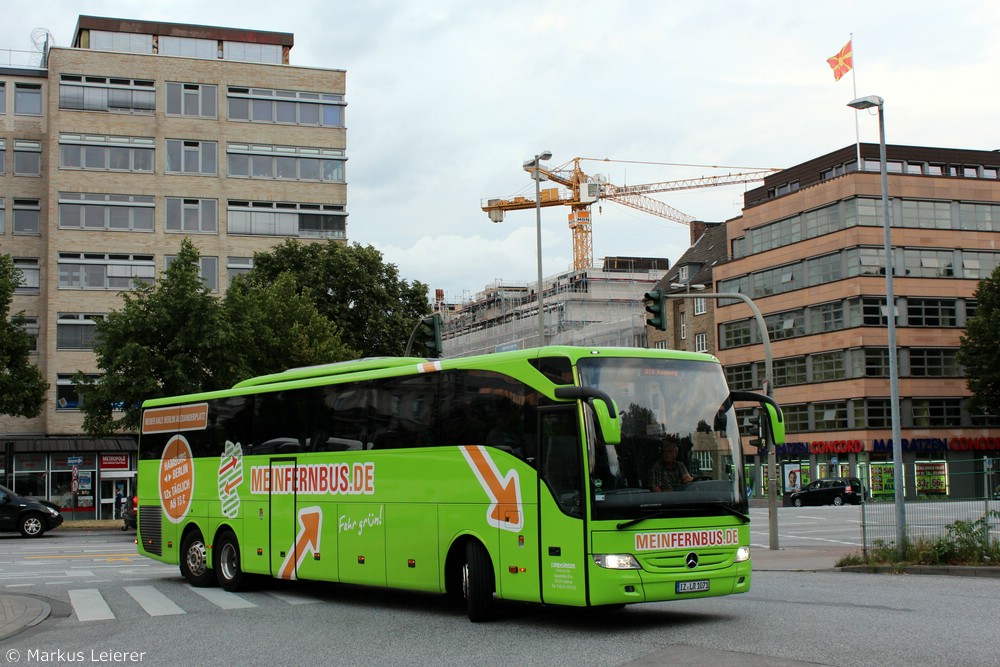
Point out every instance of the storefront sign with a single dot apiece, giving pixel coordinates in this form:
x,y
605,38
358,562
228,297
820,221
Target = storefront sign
x,y
884,445
114,461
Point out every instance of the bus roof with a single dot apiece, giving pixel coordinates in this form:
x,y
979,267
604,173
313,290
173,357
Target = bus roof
x,y
373,366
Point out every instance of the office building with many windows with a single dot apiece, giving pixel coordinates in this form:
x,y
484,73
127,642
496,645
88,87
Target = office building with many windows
x,y
809,250
114,150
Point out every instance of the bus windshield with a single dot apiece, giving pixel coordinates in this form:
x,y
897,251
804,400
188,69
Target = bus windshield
x,y
680,451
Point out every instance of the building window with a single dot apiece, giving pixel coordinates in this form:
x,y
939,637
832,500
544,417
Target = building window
x,y
830,416
27,99
735,334
97,271
826,317
930,362
130,213
287,219
3,214
199,216
701,342
264,105
208,271
790,371
67,396
98,93
3,157
700,305
286,163
188,47
825,269
198,100
76,331
796,418
27,158
683,325
3,97
236,266
106,153
251,53
876,362
930,412
30,275
30,325
740,377
682,274
872,413
786,325
27,216
126,42
931,312
828,366
191,157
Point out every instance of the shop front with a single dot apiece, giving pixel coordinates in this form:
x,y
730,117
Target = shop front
x,y
957,467
82,476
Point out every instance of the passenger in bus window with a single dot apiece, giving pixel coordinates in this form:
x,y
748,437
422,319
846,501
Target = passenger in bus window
x,y
668,473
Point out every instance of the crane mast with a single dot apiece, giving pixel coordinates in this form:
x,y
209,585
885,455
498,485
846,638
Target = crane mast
x,y
582,190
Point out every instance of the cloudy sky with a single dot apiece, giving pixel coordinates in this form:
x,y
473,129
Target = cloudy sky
x,y
447,98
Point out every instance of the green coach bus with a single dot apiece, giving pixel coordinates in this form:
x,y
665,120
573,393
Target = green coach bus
x,y
521,475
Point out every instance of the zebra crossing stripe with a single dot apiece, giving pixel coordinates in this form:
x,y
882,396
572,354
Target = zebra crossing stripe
x,y
89,605
153,601
223,599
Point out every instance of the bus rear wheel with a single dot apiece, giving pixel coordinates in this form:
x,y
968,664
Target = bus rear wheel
x,y
228,569
194,560
477,583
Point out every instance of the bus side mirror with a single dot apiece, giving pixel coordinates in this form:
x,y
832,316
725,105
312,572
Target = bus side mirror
x,y
775,422
604,407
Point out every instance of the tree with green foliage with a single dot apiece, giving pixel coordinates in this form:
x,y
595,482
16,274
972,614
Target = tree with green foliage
x,y
373,308
978,351
22,387
280,326
170,337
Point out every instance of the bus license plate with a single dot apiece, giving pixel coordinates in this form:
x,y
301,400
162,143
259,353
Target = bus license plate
x,y
692,586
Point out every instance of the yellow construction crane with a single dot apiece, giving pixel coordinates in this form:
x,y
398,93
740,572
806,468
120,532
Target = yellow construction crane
x,y
583,190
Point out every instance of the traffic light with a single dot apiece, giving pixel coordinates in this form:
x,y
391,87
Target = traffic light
x,y
758,429
657,309
432,342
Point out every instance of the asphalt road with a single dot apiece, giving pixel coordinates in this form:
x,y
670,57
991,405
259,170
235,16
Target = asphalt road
x,y
104,598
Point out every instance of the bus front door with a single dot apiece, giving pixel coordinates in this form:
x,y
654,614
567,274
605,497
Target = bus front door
x,y
561,507
284,523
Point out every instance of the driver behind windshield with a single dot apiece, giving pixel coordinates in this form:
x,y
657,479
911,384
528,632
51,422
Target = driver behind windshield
x,y
668,473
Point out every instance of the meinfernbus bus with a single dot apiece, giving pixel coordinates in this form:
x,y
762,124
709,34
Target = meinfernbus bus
x,y
520,475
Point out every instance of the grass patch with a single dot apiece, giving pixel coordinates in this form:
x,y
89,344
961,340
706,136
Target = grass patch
x,y
964,543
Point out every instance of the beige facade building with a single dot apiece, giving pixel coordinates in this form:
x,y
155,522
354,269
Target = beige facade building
x,y
809,250
114,151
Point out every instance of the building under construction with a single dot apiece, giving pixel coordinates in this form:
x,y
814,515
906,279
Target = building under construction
x,y
598,305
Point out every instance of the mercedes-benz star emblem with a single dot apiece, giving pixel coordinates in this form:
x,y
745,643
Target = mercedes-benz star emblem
x,y
691,560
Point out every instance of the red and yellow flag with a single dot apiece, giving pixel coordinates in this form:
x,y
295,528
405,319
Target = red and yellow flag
x,y
842,62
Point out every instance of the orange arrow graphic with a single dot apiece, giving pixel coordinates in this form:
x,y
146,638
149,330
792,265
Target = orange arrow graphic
x,y
504,490
310,522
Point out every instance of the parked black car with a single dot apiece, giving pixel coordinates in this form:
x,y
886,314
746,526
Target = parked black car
x,y
30,517
829,491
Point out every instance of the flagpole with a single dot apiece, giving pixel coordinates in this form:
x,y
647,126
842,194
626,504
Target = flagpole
x,y
854,82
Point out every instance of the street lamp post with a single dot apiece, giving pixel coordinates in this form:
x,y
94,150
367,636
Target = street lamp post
x,y
533,167
890,302
772,463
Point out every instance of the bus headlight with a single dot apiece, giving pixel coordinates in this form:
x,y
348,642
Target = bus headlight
x,y
742,554
617,561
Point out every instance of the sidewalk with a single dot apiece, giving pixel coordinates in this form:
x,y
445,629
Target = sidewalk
x,y
18,612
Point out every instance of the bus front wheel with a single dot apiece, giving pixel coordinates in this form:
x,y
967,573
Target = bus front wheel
x,y
194,560
477,583
228,569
